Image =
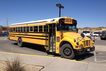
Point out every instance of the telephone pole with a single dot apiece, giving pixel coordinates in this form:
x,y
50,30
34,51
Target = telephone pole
x,y
7,24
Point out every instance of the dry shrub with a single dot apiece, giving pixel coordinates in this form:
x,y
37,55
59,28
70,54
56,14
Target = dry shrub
x,y
14,66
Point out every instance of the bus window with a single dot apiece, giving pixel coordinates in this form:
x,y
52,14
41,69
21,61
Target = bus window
x,y
11,30
27,29
20,29
35,28
31,29
46,28
43,28
17,29
24,29
14,29
40,28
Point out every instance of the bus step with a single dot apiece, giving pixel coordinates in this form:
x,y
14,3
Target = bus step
x,y
52,49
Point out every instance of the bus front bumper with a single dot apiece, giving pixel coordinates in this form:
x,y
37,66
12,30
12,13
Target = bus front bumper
x,y
85,50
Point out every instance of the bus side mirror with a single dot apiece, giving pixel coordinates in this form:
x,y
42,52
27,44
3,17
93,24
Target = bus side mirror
x,y
77,30
82,35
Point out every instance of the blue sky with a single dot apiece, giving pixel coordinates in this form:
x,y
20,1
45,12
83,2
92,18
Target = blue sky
x,y
89,13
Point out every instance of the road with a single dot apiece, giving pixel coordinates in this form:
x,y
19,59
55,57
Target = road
x,y
11,46
100,42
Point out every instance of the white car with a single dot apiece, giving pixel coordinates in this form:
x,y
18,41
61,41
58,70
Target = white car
x,y
86,33
96,34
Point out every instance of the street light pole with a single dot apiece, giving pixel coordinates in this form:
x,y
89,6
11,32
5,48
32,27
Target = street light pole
x,y
60,6
7,24
59,12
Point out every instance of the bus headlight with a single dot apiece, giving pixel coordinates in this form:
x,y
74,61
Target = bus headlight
x,y
77,43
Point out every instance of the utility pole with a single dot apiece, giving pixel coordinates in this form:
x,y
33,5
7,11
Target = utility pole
x,y
7,24
60,6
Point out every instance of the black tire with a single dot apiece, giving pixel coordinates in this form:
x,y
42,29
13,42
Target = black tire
x,y
19,42
102,39
47,51
66,51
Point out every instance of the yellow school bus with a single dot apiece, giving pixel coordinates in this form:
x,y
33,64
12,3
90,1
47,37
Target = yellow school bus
x,y
57,35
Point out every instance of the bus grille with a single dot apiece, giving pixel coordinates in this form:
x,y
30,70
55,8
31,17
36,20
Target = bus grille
x,y
87,43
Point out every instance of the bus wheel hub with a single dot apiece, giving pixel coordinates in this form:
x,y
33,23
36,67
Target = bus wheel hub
x,y
67,51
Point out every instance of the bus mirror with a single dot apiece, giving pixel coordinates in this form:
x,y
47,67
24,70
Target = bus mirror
x,y
77,30
82,35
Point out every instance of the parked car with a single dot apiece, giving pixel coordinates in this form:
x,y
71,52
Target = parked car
x,y
103,35
96,34
4,33
86,33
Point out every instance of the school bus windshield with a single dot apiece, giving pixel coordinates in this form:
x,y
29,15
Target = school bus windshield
x,y
66,27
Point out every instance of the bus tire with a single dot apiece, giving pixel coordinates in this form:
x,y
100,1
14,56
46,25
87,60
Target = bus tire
x,y
47,51
19,42
66,51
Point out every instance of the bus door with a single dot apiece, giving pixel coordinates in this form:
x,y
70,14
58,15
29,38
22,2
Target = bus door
x,y
52,37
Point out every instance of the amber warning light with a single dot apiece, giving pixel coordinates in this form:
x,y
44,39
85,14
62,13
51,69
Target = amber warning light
x,y
68,21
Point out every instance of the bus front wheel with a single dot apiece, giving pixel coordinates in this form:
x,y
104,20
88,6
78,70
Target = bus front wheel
x,y
20,43
66,51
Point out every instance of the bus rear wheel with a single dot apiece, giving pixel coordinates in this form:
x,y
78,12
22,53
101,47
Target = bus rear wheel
x,y
66,51
20,43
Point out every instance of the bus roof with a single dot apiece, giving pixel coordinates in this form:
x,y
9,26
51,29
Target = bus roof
x,y
40,21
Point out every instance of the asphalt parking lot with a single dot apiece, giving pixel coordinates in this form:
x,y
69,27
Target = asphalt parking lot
x,y
11,46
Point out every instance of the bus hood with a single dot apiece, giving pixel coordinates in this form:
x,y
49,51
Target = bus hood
x,y
72,35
